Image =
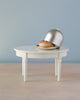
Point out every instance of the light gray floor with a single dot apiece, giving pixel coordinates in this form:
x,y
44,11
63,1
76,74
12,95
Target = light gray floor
x,y
41,84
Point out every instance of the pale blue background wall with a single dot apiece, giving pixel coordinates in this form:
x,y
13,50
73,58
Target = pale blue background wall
x,y
25,22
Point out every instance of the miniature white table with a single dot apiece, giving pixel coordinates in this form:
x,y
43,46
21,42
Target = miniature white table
x,y
33,52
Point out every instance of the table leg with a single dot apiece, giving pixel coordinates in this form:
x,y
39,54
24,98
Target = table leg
x,y
59,69
56,66
24,67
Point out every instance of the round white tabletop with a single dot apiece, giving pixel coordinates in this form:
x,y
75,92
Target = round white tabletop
x,y
35,49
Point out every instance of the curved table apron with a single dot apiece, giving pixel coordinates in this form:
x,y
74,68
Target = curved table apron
x,y
33,52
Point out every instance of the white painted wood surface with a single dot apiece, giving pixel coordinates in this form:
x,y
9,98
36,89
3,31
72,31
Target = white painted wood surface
x,y
33,52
